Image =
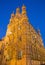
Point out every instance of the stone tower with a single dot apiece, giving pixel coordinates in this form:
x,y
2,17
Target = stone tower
x,y
22,42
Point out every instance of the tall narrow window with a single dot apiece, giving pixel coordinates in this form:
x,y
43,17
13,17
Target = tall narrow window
x,y
19,55
20,38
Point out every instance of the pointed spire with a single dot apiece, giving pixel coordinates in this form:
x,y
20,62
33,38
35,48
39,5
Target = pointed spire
x,y
12,15
39,31
17,10
23,9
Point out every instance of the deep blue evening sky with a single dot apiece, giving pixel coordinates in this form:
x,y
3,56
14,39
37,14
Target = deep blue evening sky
x,y
35,12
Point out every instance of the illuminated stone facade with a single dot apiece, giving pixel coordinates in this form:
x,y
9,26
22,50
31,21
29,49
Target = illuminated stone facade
x,y
22,44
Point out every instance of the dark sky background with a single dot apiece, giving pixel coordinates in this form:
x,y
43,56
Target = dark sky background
x,y
35,12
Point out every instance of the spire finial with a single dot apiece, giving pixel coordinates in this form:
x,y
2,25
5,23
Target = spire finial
x,y
23,4
23,7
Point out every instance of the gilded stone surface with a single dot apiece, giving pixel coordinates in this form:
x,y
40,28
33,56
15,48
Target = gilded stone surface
x,y
22,44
